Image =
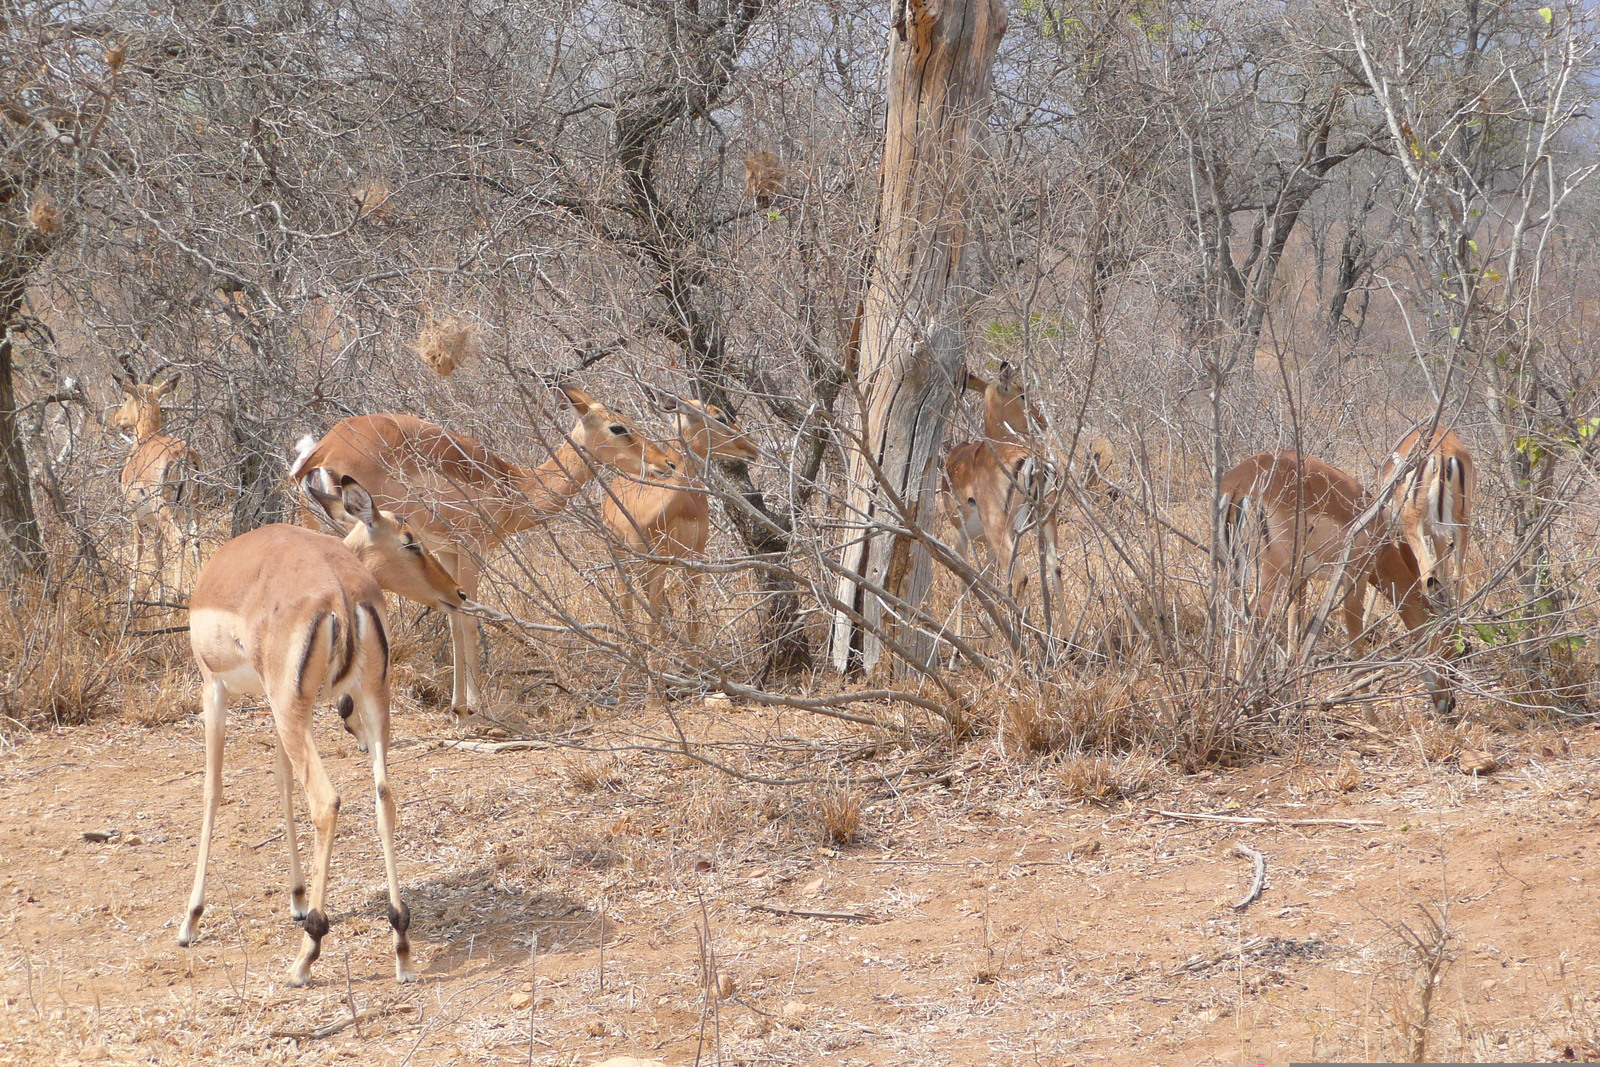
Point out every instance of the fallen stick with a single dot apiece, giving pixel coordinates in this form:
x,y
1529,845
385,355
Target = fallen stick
x,y
837,916
495,746
1258,820
1201,963
342,1024
1260,881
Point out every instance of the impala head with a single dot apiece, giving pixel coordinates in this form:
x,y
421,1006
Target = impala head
x,y
707,430
140,410
383,541
1005,406
613,439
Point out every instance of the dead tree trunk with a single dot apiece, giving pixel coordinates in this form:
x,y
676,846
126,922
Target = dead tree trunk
x,y
912,347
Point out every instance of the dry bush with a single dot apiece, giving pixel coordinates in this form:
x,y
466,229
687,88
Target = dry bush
x,y
594,775
172,696
447,343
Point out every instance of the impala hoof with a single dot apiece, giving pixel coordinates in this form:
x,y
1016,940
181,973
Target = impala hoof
x,y
191,927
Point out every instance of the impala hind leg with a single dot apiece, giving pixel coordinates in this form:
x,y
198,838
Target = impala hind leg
x,y
375,711
297,880
655,594
214,711
691,605
292,713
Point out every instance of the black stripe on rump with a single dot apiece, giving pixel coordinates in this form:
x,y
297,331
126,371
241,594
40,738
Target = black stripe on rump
x,y
1266,527
348,656
1230,522
1452,477
305,653
377,628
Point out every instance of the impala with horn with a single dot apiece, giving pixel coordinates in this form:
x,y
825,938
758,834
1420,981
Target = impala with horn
x,y
1430,505
160,478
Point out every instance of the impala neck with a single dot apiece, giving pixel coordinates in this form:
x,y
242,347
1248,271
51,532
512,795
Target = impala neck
x,y
148,423
549,487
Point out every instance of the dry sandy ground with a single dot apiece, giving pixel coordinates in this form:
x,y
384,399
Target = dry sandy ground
x,y
983,917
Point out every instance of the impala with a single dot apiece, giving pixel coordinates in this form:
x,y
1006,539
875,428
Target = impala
x,y
290,613
1009,416
465,500
159,479
671,520
1002,487
1431,505
1286,519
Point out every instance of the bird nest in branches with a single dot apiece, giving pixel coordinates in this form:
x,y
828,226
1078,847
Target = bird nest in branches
x,y
447,343
44,216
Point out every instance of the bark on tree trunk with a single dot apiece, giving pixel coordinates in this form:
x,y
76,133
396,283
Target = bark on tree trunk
x,y
940,61
19,527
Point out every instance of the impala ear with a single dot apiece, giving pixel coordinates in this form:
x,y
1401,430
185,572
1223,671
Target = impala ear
x,y
325,499
581,401
169,385
1006,377
668,404
976,384
358,502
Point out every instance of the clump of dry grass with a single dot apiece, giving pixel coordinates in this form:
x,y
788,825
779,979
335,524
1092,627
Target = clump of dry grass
x,y
763,178
595,775
836,812
1105,779
64,661
447,343
172,697
1104,708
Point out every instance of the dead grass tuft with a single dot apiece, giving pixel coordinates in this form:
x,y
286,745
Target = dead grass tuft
x,y
1106,779
170,697
836,812
763,178
595,775
63,661
447,343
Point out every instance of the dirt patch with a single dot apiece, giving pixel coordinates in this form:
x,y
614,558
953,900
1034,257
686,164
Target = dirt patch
x,y
984,912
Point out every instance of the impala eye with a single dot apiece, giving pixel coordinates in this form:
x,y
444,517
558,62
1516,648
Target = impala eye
x,y
619,431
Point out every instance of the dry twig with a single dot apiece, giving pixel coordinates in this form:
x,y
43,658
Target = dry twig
x,y
1260,820
1259,882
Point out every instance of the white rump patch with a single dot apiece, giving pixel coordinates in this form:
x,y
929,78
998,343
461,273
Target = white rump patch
x,y
302,449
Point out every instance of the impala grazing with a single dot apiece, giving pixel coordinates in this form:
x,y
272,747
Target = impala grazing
x,y
290,613
465,499
1431,505
671,520
1286,519
159,480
